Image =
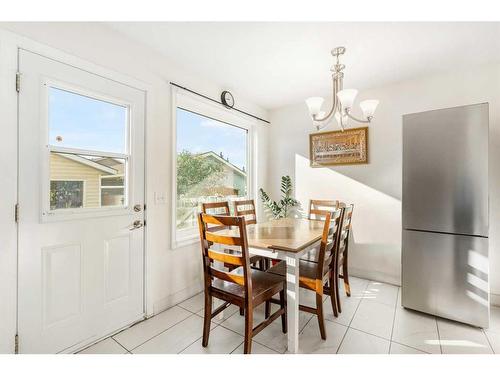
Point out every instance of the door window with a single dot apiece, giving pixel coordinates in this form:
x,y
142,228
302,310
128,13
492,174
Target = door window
x,y
88,151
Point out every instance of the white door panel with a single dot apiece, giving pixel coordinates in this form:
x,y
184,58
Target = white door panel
x,y
80,259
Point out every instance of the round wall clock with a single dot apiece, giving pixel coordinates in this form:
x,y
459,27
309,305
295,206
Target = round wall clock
x,y
227,99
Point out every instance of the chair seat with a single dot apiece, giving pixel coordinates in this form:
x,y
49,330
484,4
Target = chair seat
x,y
312,255
264,285
307,274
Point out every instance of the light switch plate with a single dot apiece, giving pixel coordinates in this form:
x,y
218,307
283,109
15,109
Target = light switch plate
x,y
160,197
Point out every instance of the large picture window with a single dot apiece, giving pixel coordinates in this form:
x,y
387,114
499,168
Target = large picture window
x,y
211,165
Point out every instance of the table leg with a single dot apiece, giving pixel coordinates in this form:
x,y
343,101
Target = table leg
x,y
292,290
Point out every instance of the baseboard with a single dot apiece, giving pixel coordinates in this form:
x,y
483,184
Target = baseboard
x,y
173,299
494,299
375,276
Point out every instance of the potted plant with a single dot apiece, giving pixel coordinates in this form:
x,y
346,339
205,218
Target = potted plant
x,y
283,207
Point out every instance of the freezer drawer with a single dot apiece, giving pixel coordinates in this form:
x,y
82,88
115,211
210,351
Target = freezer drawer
x,y
445,170
446,275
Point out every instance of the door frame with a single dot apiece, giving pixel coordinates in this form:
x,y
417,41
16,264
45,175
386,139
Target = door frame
x,y
10,44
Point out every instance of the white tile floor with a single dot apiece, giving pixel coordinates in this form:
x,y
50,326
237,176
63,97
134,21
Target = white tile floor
x,y
372,321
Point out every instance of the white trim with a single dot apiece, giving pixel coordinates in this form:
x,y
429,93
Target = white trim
x,y
193,103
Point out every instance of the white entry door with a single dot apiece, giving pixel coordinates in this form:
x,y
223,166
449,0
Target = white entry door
x,y
81,206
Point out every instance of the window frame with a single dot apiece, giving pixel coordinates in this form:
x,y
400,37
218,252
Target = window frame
x,y
111,187
203,107
49,215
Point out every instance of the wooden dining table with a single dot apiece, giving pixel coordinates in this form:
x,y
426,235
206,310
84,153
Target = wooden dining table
x,y
288,240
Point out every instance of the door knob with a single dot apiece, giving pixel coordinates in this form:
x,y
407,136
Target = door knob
x,y
136,225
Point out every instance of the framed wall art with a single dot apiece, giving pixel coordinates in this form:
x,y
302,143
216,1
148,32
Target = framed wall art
x,y
339,147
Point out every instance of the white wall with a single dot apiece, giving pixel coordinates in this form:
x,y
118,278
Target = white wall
x,y
175,274
375,188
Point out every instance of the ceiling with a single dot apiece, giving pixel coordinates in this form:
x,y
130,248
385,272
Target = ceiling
x,y
276,64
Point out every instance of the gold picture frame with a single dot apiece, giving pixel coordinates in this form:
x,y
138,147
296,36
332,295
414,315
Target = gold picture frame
x,y
339,147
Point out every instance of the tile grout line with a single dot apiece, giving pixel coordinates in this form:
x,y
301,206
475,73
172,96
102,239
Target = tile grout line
x,y
232,330
165,330
394,319
112,338
410,347
439,335
488,339
350,321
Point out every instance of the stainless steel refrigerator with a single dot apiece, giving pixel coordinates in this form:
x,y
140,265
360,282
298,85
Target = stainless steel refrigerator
x,y
445,213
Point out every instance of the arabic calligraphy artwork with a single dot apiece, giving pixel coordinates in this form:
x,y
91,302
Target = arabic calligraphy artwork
x,y
339,147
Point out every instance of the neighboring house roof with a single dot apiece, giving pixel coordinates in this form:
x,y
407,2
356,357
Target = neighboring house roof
x,y
89,163
224,161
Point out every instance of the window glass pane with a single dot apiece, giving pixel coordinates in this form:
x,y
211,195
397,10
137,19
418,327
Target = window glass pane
x,y
77,121
211,164
94,174
112,197
66,194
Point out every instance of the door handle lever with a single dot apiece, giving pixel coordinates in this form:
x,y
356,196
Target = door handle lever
x,y
136,225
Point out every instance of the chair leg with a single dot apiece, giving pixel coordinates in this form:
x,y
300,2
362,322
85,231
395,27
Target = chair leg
x,y
247,347
284,321
242,311
262,266
207,318
333,297
345,274
268,309
321,318
337,294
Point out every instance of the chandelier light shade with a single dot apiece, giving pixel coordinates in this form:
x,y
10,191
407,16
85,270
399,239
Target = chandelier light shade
x,y
368,107
314,104
342,101
347,97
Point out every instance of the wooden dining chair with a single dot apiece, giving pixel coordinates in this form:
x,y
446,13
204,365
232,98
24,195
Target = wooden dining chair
x,y
317,211
343,253
243,286
246,208
222,208
314,275
319,208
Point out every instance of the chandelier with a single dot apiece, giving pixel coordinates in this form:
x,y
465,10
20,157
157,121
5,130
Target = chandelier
x,y
343,100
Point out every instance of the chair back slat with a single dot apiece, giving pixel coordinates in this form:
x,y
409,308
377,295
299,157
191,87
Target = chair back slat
x,y
246,208
227,276
236,238
319,208
225,258
223,240
216,208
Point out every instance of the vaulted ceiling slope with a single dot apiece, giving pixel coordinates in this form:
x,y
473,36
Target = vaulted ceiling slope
x,y
276,64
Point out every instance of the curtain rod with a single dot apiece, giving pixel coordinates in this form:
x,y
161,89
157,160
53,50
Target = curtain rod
x,y
216,101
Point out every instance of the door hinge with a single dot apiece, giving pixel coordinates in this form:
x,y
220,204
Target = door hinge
x,y
16,344
16,212
18,81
